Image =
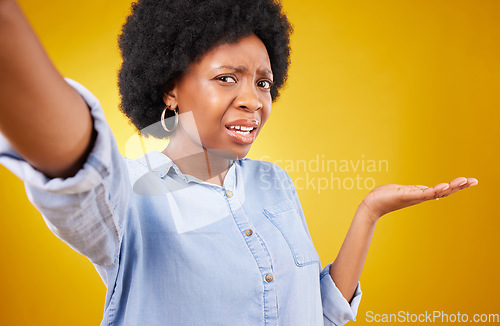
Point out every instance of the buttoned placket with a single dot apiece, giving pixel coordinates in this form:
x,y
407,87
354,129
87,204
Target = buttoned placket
x,y
256,246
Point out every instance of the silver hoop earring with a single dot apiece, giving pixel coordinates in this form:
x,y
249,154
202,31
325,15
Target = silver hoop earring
x,y
176,121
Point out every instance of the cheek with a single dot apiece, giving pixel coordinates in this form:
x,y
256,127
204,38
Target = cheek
x,y
202,108
205,102
266,114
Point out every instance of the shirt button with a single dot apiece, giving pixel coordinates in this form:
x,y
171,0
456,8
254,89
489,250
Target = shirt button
x,y
249,232
269,278
229,194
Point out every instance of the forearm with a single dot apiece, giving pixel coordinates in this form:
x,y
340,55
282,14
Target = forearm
x,y
347,267
43,118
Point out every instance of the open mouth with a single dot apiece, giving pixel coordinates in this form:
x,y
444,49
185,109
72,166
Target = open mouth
x,y
242,131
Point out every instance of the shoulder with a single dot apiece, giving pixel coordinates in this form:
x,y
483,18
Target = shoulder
x,y
269,178
148,165
261,166
264,172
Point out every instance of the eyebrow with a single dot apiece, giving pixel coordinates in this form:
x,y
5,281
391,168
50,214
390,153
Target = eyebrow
x,y
242,69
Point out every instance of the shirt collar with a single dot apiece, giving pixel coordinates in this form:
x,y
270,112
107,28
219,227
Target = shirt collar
x,y
160,164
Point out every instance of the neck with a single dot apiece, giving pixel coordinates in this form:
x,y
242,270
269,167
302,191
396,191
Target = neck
x,y
198,161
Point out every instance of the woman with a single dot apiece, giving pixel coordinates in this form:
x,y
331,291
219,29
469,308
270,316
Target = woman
x,y
193,235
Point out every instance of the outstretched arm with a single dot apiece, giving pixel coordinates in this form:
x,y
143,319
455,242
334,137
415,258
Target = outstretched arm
x,y
42,117
347,267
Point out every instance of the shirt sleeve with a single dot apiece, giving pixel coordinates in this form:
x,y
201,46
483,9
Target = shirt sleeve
x,y
85,211
336,310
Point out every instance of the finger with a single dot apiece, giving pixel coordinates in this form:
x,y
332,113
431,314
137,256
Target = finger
x,y
472,182
463,182
440,190
458,184
455,185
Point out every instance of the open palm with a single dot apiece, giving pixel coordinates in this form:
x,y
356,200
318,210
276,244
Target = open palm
x,y
391,197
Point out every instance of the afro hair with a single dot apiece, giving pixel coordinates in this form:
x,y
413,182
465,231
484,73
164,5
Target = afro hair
x,y
162,37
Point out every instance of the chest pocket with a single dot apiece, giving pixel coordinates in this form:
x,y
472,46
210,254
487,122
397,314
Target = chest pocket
x,y
289,223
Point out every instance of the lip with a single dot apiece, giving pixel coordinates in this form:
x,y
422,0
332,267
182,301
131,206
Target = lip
x,y
239,138
244,122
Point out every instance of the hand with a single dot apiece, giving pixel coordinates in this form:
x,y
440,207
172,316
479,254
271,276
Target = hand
x,y
387,198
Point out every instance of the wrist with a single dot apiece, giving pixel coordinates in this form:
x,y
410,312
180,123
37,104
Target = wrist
x,y
366,214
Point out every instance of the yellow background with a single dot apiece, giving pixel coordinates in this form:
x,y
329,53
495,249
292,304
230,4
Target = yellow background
x,y
414,83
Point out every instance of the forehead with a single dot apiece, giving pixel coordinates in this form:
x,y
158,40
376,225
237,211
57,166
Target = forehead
x,y
249,52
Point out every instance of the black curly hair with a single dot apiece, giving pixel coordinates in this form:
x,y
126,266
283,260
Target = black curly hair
x,y
162,37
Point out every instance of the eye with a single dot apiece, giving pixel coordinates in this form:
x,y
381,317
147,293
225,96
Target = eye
x,y
266,84
226,79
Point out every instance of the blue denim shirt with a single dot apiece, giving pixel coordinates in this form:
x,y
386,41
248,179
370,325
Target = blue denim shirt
x,y
175,250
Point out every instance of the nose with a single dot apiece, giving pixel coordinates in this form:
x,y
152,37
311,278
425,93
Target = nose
x,y
248,98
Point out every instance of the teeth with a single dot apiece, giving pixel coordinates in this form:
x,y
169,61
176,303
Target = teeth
x,y
243,132
241,128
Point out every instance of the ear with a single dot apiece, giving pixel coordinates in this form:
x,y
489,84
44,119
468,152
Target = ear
x,y
170,98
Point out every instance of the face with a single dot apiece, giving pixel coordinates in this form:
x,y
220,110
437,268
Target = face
x,y
228,93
